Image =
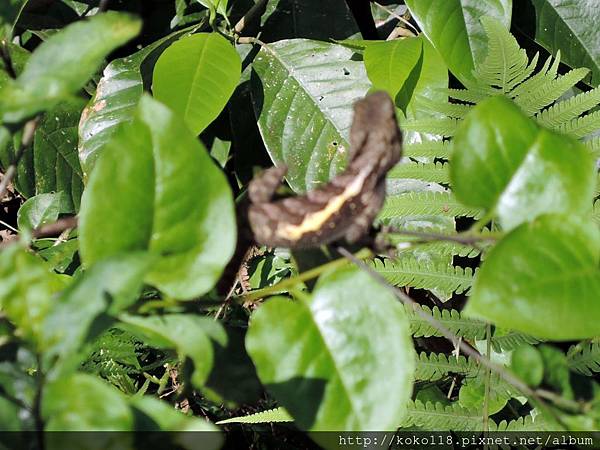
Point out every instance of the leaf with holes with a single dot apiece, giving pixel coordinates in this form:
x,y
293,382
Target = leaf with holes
x,y
327,357
165,195
208,70
303,93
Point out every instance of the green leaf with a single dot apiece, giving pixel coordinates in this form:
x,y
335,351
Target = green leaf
x,y
303,93
55,162
207,71
108,286
116,98
328,357
165,195
542,279
42,209
527,363
27,285
571,28
389,65
64,63
190,335
454,29
85,403
521,170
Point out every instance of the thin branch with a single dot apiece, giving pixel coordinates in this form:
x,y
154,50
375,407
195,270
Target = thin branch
x,y
58,227
308,275
28,134
256,11
466,349
467,238
397,16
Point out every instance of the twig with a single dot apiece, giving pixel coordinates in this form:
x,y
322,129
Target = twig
x,y
397,16
52,229
257,10
466,349
462,238
309,274
28,134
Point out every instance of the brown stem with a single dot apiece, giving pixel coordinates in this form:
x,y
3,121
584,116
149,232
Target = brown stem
x,y
53,229
256,11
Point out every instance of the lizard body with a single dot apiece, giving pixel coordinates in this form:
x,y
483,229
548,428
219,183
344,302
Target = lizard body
x,y
345,207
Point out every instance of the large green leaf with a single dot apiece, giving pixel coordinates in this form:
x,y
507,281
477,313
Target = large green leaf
x,y
83,402
543,279
520,170
454,29
389,65
27,285
163,194
61,65
190,335
117,95
328,358
208,70
571,27
303,93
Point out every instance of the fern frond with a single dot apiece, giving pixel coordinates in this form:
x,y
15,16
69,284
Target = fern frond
x,y
568,110
511,340
436,416
425,203
435,366
445,127
454,110
546,74
594,146
526,423
471,95
451,319
582,126
269,416
428,149
431,173
506,64
441,248
409,270
533,101
586,360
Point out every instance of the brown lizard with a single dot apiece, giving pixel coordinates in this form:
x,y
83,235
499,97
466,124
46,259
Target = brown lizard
x,y
345,207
